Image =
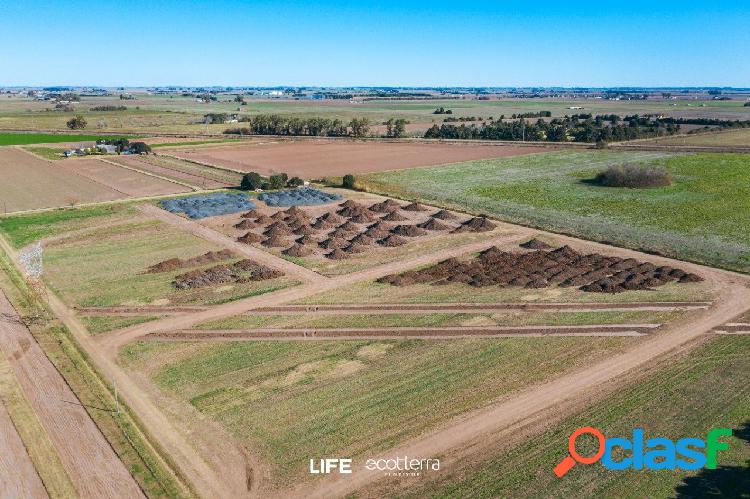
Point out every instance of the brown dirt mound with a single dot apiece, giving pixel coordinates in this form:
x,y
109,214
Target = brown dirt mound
x,y
349,226
376,233
476,224
331,217
250,238
264,220
323,225
408,231
334,243
296,211
433,224
392,241
177,263
355,248
308,239
535,244
275,242
245,224
394,216
278,229
337,254
252,214
279,216
304,230
444,215
242,271
341,233
414,207
363,239
386,206
594,273
362,218
298,250
349,204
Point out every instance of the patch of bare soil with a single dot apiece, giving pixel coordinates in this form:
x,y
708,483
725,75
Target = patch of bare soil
x,y
564,267
240,272
178,263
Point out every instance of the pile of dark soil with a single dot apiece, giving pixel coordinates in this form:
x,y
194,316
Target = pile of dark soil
x,y
298,250
377,233
362,218
392,241
304,230
331,218
394,216
535,244
337,254
308,239
355,248
363,239
279,216
278,229
252,214
387,206
341,233
539,269
321,224
334,243
444,215
476,224
350,209
275,241
240,272
433,224
414,207
349,226
264,220
408,231
245,224
250,238
177,263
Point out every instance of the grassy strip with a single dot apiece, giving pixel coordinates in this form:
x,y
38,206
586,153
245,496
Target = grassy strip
x,y
51,153
706,389
151,468
97,324
377,320
38,444
701,217
14,139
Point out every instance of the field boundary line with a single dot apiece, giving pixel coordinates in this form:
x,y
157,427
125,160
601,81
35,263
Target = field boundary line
x,y
173,181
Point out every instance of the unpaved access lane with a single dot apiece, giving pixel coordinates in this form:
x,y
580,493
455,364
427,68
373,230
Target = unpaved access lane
x,y
18,478
469,428
92,465
209,234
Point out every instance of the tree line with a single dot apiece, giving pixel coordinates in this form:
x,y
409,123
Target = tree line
x,y
276,124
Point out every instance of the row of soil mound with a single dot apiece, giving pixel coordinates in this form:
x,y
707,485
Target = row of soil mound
x,y
179,263
563,267
239,272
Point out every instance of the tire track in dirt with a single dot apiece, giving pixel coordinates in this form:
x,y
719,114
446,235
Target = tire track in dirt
x,y
18,477
92,464
481,424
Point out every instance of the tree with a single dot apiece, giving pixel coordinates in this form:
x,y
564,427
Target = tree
x,y
278,181
77,123
295,182
399,128
140,148
360,127
348,181
251,181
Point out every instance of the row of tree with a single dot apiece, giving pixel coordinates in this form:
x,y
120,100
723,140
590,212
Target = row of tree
x,y
558,130
276,124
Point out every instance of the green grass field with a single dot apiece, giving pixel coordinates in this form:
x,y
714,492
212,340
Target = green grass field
x,y
292,400
739,138
701,217
13,139
194,143
101,323
379,320
706,389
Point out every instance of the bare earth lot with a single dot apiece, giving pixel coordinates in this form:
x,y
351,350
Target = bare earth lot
x,y
317,159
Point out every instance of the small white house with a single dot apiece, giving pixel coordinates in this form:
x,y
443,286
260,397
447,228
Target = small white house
x,y
106,148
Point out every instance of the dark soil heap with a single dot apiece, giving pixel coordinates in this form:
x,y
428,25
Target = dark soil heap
x,y
264,220
278,229
444,215
392,241
387,206
535,244
394,216
363,239
433,224
334,243
245,224
298,250
177,263
414,207
250,238
408,231
355,248
337,254
252,214
240,272
275,241
308,239
476,224
539,269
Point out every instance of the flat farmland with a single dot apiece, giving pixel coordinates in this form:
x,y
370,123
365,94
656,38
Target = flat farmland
x,y
318,159
127,182
729,138
181,171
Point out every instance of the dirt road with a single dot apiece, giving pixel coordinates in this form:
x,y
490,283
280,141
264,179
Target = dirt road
x,y
93,466
18,478
472,427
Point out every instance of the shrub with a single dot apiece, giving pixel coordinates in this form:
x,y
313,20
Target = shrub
x,y
348,181
634,176
140,148
251,181
295,182
77,123
278,181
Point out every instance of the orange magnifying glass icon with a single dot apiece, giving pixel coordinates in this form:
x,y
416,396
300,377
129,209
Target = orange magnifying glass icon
x,y
570,461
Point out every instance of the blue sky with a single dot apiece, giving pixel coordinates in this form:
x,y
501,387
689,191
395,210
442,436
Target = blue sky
x,y
437,43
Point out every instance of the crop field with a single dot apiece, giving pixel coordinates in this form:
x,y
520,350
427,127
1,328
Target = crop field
x,y
700,217
291,400
713,378
127,182
318,159
739,138
12,139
